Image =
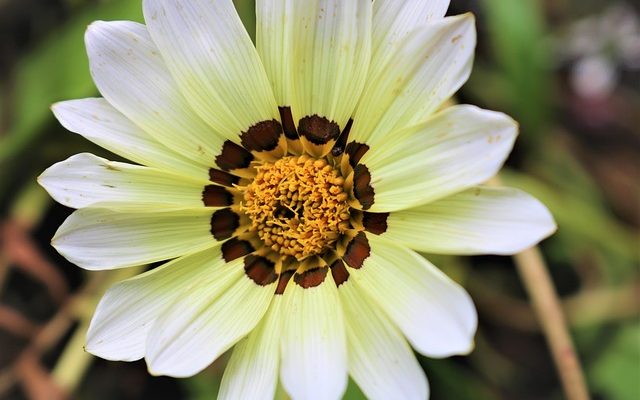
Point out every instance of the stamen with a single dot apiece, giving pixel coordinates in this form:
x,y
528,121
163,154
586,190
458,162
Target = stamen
x,y
297,205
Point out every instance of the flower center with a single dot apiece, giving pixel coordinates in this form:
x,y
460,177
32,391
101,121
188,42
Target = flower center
x,y
297,205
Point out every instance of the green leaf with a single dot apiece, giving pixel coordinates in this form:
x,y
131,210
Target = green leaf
x,y
615,374
247,11
516,31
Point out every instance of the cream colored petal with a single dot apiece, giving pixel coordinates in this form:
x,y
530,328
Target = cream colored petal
x,y
252,371
482,220
274,41
121,323
393,20
332,49
100,238
314,351
130,73
429,66
205,322
380,359
85,180
435,314
214,61
96,120
457,148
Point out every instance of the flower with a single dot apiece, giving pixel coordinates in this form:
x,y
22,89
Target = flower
x,y
290,184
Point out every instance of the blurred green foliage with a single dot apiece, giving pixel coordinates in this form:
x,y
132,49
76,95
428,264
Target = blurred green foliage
x,y
522,58
619,364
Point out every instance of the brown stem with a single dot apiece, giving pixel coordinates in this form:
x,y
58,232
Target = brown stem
x,y
535,276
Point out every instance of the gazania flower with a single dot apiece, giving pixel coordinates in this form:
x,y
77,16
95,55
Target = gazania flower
x,y
290,185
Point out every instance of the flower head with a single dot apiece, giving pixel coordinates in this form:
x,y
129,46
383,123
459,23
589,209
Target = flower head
x,y
290,185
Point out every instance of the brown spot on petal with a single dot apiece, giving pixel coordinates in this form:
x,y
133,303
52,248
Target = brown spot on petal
x,y
283,281
224,223
311,278
216,196
262,136
222,178
233,157
375,222
355,151
288,125
260,269
235,248
339,272
341,143
362,189
318,130
357,251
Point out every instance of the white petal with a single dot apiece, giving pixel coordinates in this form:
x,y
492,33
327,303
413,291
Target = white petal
x,y
332,53
252,371
205,322
482,220
456,149
274,41
380,359
120,325
394,19
428,68
99,238
213,60
436,315
97,120
314,353
84,180
130,73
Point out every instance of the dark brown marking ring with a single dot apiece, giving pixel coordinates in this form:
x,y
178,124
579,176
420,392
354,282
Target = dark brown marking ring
x,y
260,269
224,223
283,281
341,143
288,125
318,130
262,136
339,272
235,248
375,222
216,196
222,178
362,189
311,278
355,151
358,250
233,157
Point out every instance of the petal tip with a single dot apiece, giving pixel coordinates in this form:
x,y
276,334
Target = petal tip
x,y
40,178
156,370
469,349
93,28
153,372
89,348
468,16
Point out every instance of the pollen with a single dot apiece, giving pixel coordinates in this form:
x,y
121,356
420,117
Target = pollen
x,y
297,205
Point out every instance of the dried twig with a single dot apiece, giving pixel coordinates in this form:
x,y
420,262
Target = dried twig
x,y
19,248
16,323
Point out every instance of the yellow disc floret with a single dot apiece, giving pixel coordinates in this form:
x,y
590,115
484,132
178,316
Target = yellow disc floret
x,y
297,205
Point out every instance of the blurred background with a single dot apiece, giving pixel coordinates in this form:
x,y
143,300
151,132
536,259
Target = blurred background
x,y
567,70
